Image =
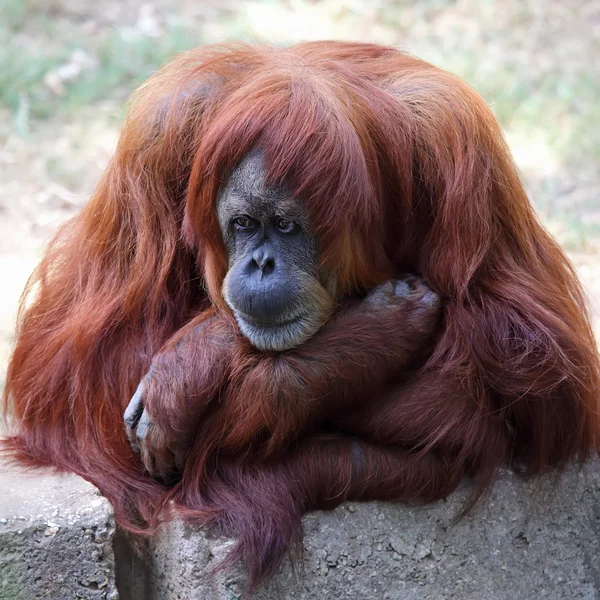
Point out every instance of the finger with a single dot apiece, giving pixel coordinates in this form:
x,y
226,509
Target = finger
x,y
165,467
403,288
142,429
134,409
431,299
142,433
155,456
147,459
138,437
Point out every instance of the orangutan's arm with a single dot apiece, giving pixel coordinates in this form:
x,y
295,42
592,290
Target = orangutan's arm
x,y
351,358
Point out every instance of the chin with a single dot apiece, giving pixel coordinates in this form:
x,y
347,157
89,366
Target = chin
x,y
278,337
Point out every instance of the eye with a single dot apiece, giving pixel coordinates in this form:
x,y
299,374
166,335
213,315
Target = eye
x,y
285,225
244,222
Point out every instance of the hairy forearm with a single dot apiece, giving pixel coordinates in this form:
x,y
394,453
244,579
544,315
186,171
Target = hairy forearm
x,y
280,396
188,372
267,400
179,390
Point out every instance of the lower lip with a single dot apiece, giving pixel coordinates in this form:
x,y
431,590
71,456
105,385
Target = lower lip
x,y
254,323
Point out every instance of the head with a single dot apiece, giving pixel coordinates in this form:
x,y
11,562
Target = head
x,y
273,284
280,144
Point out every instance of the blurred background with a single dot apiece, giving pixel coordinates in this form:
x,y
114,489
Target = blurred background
x,y
68,66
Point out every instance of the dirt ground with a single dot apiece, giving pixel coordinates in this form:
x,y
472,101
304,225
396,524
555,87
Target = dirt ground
x,y
33,205
49,164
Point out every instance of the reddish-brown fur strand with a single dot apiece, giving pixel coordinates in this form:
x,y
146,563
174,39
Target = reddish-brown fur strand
x,y
403,168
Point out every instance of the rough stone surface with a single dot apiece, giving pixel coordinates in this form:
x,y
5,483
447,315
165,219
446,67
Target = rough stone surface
x,y
56,535
528,540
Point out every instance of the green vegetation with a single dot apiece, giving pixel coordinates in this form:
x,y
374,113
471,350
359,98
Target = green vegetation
x,y
536,63
111,63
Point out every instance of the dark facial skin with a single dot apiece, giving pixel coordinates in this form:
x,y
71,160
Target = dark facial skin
x,y
272,285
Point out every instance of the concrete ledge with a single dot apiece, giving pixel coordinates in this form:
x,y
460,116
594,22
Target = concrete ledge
x,y
56,536
530,540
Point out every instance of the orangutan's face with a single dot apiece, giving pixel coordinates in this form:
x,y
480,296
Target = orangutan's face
x,y
272,284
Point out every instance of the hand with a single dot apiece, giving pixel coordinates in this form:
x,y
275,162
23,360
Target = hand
x,y
162,451
410,298
164,413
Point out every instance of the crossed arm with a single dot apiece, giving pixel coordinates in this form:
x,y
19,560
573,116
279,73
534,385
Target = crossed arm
x,y
267,401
